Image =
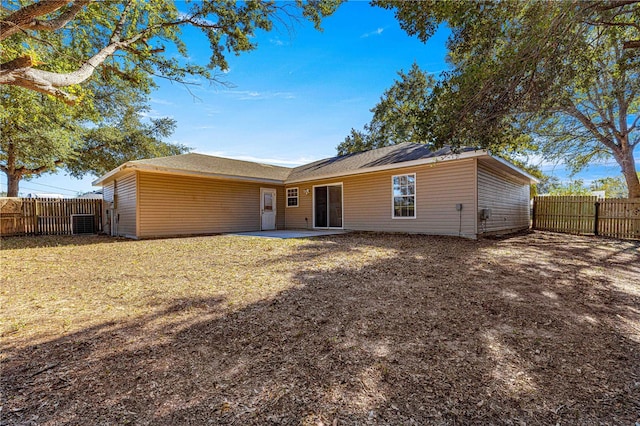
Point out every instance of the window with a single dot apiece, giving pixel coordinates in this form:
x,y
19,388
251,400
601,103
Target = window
x,y
404,196
292,197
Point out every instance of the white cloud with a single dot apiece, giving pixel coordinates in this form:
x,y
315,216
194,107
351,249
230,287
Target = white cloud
x,y
153,114
375,32
212,111
161,101
244,95
199,20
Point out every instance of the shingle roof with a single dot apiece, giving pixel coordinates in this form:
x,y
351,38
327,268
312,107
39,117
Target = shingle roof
x,y
363,160
217,165
334,166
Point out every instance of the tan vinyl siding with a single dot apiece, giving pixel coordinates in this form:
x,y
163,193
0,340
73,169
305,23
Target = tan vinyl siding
x,y
182,205
281,202
107,192
368,200
126,191
295,216
506,196
107,197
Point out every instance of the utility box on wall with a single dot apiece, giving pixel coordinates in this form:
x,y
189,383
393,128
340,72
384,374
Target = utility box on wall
x,y
485,214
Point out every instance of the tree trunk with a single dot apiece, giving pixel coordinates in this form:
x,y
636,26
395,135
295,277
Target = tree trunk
x,y
622,151
630,174
13,185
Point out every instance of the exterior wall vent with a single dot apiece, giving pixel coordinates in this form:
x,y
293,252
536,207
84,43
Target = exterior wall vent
x,y
83,224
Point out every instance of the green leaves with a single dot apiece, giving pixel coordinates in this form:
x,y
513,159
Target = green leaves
x,y
614,187
400,116
105,56
132,35
42,134
105,148
563,76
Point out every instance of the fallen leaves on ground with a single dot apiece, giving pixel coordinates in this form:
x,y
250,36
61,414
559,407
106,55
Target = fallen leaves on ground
x,y
361,328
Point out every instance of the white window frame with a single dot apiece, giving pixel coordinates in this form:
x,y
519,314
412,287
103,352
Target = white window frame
x,y
415,197
297,196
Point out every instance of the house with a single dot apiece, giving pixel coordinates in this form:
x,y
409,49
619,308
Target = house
x,y
93,195
44,195
401,188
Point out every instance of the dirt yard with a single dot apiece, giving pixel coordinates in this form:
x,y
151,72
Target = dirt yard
x,y
350,329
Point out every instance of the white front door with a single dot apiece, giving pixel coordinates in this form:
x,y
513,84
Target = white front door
x,y
268,208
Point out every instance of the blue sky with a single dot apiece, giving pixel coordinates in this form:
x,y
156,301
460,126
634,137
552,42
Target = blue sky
x,y
294,98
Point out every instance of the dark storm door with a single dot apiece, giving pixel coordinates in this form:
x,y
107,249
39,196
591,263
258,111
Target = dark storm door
x,y
327,206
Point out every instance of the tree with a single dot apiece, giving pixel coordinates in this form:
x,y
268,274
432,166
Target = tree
x,y
356,141
614,187
101,58
566,73
399,115
41,135
573,187
54,45
406,113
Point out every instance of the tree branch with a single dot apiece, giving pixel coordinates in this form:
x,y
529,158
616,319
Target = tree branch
x,y
575,112
603,7
48,82
21,62
631,44
62,20
20,72
26,17
39,170
634,124
613,24
117,31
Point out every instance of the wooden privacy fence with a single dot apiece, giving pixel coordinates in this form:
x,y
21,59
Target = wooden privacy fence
x,y
587,215
49,216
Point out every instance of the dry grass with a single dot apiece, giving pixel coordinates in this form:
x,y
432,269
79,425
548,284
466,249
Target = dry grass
x,y
350,329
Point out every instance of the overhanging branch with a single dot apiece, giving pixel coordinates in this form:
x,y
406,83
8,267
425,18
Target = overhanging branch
x,y
631,44
602,7
26,18
20,73
39,170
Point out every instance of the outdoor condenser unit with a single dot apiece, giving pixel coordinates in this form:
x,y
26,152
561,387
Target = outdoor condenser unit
x,y
83,224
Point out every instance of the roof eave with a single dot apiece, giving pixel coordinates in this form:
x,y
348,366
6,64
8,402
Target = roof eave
x,y
448,157
106,177
167,170
515,168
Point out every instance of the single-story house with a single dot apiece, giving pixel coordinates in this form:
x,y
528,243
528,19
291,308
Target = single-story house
x,y
401,188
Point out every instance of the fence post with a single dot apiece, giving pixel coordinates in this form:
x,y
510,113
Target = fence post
x,y
595,224
36,220
533,213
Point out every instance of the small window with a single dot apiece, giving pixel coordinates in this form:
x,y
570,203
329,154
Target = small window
x,y
292,197
268,202
404,196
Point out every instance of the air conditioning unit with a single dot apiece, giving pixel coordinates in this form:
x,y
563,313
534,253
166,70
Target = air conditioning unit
x,y
83,224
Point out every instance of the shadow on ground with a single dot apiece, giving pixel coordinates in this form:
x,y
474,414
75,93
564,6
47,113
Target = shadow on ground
x,y
43,241
536,329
